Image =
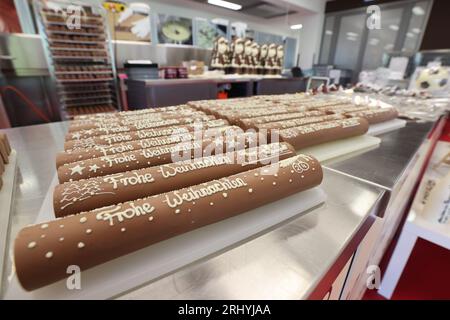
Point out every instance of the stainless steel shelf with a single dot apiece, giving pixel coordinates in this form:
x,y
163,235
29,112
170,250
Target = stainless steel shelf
x,y
52,40
64,92
81,58
80,49
62,23
69,33
83,80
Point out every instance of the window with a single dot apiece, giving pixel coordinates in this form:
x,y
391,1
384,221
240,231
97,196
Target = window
x,y
326,40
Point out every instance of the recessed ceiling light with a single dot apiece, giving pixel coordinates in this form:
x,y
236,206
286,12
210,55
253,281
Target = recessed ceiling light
x,y
416,30
225,4
393,27
410,35
328,32
351,38
296,26
389,46
418,11
352,34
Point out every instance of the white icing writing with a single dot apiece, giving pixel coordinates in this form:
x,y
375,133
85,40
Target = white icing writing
x,y
176,198
113,213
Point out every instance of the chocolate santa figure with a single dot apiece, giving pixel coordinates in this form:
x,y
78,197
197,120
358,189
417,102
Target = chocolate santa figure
x,y
255,58
262,59
237,59
279,60
247,65
270,65
220,56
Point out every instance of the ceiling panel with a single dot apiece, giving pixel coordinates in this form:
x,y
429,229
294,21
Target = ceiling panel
x,y
258,8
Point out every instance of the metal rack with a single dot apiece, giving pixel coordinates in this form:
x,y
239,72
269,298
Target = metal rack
x,y
80,58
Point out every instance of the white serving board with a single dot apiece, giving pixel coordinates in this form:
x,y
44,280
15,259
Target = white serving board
x,y
133,270
6,198
383,127
338,150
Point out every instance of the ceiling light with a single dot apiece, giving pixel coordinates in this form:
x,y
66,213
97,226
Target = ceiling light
x,y
296,26
352,34
225,4
351,38
374,41
418,11
410,35
416,30
328,32
393,27
389,46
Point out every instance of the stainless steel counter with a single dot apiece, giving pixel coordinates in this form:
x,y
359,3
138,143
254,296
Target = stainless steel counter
x,y
292,261
385,165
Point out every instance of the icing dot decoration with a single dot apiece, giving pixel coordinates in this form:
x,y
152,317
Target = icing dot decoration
x,y
61,226
211,203
225,195
123,230
274,183
250,190
177,211
49,254
61,239
42,236
83,219
89,231
80,245
44,226
31,245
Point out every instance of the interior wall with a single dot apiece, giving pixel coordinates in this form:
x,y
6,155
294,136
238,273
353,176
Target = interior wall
x,y
438,23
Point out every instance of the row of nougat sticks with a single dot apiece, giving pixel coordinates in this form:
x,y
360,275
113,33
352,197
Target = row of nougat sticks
x,y
268,115
158,139
5,151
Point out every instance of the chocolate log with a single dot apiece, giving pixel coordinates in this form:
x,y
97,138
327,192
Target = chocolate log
x,y
4,154
132,113
2,167
148,157
341,110
298,122
137,126
4,140
376,115
251,122
119,122
141,134
317,133
88,194
43,252
235,116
